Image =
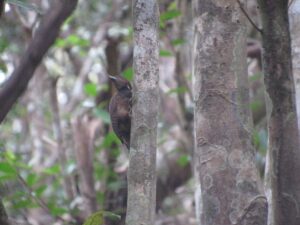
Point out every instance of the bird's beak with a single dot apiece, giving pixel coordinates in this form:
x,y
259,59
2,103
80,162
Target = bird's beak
x,y
112,78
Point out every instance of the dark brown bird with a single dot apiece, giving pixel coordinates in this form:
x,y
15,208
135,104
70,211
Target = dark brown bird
x,y
120,109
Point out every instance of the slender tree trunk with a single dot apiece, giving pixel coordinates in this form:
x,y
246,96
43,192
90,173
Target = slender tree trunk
x,y
228,187
283,158
141,171
84,151
59,136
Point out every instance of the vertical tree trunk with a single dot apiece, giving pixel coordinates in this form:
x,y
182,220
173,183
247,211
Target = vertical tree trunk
x,y
84,152
294,15
141,171
228,185
283,159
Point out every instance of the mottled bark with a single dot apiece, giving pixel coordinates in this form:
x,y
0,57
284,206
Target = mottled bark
x,y
282,167
44,37
228,185
141,171
294,15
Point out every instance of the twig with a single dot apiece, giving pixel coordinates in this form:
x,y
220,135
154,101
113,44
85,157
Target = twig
x,y
248,17
39,201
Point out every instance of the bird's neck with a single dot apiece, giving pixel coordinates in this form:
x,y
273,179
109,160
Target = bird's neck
x,y
126,93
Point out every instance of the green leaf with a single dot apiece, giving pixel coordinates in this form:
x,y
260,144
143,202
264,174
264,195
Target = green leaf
x,y
9,155
24,203
6,168
95,219
3,44
57,211
98,218
111,215
179,90
7,177
255,77
128,73
172,6
25,5
177,42
91,89
72,40
165,53
169,15
32,179
53,170
103,114
109,139
255,138
3,67
183,160
40,190
256,105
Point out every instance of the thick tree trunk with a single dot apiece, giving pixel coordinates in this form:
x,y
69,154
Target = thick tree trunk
x,y
141,171
283,158
228,185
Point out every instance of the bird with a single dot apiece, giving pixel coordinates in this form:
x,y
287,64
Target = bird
x,y
120,109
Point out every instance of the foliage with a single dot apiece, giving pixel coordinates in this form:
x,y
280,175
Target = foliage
x,y
98,218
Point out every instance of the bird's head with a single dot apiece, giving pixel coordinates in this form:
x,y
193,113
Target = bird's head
x,y
123,86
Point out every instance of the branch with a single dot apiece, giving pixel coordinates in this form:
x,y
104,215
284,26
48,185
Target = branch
x,y
38,200
44,37
248,17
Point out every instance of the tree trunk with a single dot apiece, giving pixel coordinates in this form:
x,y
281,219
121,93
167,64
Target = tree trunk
x,y
283,158
228,187
141,171
294,15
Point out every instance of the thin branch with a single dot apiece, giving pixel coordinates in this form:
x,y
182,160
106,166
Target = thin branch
x,y
44,37
59,136
39,201
248,17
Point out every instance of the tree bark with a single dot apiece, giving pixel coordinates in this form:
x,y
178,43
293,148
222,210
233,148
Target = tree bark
x,y
294,16
228,186
141,171
282,167
44,37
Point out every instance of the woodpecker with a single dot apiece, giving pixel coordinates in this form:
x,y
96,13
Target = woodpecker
x,y
120,109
